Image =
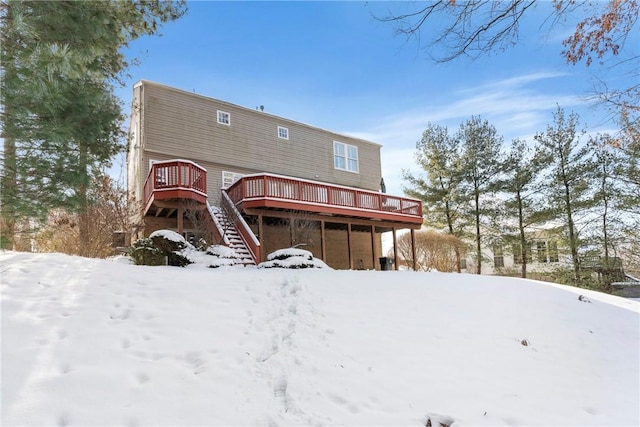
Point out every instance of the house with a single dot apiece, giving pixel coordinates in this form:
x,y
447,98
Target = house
x,y
543,256
257,182
546,255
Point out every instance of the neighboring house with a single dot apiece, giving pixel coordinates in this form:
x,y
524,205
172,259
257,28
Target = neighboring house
x,y
278,182
542,256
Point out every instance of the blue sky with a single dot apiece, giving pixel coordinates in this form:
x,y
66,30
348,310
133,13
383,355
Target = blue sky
x,y
333,65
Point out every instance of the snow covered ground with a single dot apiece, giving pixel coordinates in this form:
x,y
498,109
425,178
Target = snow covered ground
x,y
94,342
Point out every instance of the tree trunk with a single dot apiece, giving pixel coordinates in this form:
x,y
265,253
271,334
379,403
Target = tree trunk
x,y
8,196
9,165
83,220
450,225
478,246
523,240
605,237
573,240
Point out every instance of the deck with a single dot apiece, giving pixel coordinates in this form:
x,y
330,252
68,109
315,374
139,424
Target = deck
x,y
175,180
270,191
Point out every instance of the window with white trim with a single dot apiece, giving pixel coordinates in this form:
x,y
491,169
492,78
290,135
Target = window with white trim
x,y
553,251
541,247
283,133
224,118
498,256
345,157
228,178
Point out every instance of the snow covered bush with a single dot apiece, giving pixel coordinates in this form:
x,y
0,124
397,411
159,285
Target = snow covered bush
x,y
171,244
162,246
168,241
144,252
222,256
292,258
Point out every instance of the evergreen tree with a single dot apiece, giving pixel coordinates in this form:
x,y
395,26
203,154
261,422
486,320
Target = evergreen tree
x,y
628,170
61,120
522,168
480,167
437,154
609,199
567,182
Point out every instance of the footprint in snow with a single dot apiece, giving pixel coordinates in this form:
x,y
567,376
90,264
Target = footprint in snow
x,y
63,420
195,362
124,315
142,378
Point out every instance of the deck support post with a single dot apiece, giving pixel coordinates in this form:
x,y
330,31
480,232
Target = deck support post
x,y
373,246
261,238
180,220
291,231
349,245
395,250
323,242
413,248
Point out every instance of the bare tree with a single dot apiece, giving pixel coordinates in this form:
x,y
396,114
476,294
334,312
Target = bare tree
x,y
106,214
434,250
466,28
302,227
200,221
473,28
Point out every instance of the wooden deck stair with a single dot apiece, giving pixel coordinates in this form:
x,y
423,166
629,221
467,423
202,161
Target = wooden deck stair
x,y
231,236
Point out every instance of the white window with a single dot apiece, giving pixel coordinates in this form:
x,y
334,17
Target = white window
x,y
283,133
541,246
553,251
228,178
498,256
345,157
224,118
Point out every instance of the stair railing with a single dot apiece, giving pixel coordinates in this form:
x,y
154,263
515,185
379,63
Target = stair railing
x,y
220,227
247,236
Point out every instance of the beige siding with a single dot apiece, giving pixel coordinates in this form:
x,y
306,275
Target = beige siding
x,y
173,124
180,124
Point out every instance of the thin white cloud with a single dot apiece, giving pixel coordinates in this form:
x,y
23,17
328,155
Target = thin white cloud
x,y
518,107
514,106
515,82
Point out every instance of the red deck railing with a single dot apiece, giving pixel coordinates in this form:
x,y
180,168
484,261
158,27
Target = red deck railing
x,y
323,197
176,178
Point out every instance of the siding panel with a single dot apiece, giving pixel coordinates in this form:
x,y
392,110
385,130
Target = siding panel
x,y
180,124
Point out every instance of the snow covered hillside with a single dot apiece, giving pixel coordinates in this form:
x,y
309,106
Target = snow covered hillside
x,y
95,342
